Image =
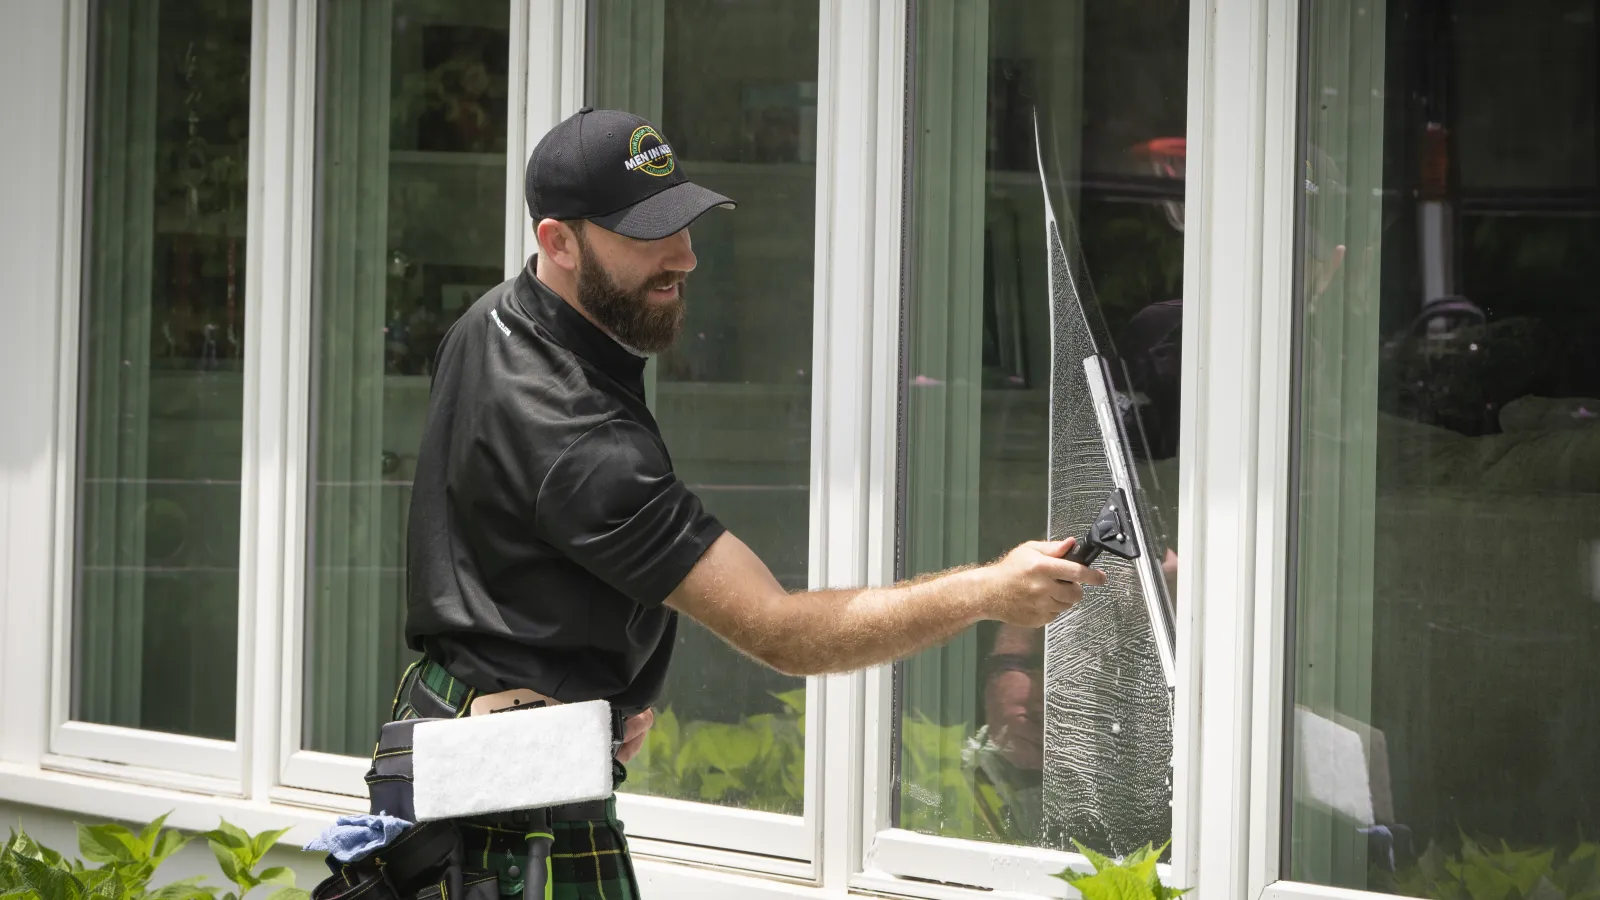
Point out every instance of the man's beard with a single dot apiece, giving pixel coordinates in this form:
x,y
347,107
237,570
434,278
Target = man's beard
x,y
642,324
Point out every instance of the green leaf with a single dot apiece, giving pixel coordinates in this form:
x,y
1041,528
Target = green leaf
x,y
277,875
187,889
105,844
1073,876
1485,882
794,701
1100,862
151,833
106,884
228,862
48,882
168,843
1114,883
23,845
229,835
265,841
290,893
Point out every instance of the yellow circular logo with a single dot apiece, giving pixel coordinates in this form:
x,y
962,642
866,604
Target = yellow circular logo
x,y
650,154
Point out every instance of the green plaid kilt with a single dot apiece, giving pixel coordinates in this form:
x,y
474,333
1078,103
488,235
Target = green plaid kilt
x,y
589,860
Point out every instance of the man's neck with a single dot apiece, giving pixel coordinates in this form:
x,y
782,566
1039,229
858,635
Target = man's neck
x,y
565,284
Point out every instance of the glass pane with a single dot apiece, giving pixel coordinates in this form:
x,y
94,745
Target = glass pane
x,y
735,88
162,357
999,324
411,216
1445,705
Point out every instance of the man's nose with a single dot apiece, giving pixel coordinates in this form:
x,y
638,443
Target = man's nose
x,y
680,253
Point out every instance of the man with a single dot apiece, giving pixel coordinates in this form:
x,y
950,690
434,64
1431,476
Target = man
x,y
551,546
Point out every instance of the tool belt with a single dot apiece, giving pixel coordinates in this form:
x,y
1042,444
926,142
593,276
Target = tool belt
x,y
429,861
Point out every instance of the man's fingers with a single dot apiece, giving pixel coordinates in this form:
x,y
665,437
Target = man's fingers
x,y
630,749
636,726
1061,570
633,733
1056,549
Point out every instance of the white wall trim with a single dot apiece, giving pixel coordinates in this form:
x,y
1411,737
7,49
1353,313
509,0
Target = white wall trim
x,y
1276,401
843,285
665,869
1186,745
873,804
300,122
1234,435
1293,890
43,46
148,749
981,865
273,527
63,421
54,518
692,825
555,74
518,65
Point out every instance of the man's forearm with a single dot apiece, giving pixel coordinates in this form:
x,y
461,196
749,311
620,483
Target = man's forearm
x,y
733,593
819,632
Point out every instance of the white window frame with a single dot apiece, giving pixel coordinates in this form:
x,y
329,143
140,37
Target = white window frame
x,y
892,857
1233,474
547,71
1243,115
176,761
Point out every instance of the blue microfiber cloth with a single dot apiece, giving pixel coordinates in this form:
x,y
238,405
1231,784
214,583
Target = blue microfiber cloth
x,y
352,837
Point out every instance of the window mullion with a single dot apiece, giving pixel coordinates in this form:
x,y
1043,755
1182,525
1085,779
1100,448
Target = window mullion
x,y
276,386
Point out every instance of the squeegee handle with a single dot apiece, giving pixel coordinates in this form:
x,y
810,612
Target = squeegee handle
x,y
1083,552
537,883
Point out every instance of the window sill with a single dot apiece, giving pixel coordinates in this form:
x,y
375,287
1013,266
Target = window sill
x,y
108,796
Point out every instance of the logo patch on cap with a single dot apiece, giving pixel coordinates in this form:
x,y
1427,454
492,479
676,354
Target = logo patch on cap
x,y
651,154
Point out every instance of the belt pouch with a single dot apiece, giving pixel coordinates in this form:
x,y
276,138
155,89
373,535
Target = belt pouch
x,y
389,780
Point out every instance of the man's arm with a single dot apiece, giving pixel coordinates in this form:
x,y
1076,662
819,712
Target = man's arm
x,y
731,591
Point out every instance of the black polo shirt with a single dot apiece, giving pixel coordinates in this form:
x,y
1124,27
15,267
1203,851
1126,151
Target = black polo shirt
x,y
547,525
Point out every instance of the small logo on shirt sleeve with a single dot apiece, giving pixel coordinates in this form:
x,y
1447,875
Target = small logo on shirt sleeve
x,y
495,315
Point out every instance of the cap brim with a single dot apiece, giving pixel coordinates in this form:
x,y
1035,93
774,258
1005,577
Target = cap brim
x,y
663,214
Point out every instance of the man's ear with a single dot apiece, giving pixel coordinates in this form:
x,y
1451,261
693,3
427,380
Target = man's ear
x,y
558,243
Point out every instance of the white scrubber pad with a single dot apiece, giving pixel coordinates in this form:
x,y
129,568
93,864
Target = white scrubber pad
x,y
528,759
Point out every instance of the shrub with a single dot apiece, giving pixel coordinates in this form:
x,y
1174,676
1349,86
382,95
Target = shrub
x,y
126,862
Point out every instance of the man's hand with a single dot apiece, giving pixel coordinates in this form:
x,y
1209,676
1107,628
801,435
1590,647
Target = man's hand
x,y
633,734
1033,585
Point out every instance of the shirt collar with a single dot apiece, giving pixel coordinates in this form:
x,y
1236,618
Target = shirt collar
x,y
573,331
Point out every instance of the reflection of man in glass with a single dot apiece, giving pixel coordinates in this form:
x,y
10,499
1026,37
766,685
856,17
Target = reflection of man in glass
x,y
1007,752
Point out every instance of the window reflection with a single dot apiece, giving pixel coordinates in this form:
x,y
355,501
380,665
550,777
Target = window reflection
x,y
1108,80
411,215
1444,705
162,367
735,85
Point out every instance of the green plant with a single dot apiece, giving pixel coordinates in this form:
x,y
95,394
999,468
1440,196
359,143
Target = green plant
x,y
127,861
1132,878
759,763
756,763
1481,871
939,795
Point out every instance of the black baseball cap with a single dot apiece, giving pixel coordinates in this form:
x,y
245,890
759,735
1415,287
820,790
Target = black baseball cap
x,y
616,170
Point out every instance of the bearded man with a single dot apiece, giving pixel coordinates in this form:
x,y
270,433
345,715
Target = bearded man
x,y
551,547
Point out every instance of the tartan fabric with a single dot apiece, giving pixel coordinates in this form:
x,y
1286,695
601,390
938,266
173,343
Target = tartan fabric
x,y
589,859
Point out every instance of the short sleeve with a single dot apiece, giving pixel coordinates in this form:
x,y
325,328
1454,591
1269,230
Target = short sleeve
x,y
612,504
